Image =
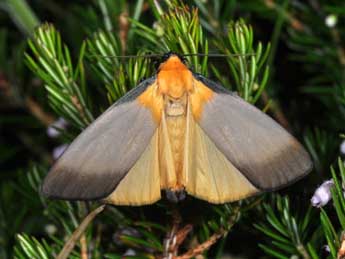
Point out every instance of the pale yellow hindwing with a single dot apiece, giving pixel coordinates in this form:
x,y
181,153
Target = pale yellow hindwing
x,y
142,183
208,174
167,170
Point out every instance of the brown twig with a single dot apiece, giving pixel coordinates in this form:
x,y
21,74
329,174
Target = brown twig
x,y
83,247
202,247
175,240
293,21
69,245
170,247
182,234
83,210
277,112
340,50
303,251
176,237
28,141
79,107
37,111
199,249
123,30
341,251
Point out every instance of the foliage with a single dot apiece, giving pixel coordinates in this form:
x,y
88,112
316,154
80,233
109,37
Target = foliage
x,y
296,73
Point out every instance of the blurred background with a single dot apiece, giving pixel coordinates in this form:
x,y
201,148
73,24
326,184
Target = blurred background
x,y
305,92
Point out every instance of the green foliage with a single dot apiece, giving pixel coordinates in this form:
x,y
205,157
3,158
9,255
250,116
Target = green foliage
x,y
334,237
30,247
178,30
290,234
117,77
248,61
298,79
297,235
65,84
322,147
22,15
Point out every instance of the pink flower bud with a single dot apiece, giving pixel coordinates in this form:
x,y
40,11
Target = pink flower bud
x,y
322,195
52,129
342,147
58,151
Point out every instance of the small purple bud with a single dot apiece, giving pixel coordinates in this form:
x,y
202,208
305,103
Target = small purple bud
x,y
326,248
50,229
342,147
58,151
52,129
130,252
322,195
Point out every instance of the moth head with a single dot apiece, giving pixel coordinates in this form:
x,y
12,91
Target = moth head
x,y
174,78
170,54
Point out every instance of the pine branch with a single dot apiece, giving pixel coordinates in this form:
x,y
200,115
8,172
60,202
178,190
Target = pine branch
x,y
288,233
77,234
51,61
250,74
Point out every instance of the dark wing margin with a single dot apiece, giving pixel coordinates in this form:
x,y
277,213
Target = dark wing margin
x,y
263,151
97,160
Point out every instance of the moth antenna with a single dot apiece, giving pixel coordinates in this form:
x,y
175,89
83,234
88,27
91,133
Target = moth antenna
x,y
216,55
181,56
130,56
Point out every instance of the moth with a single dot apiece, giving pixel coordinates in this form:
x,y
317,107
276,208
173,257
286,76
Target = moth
x,y
177,131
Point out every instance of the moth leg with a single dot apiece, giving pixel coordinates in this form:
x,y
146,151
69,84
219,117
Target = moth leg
x,y
175,196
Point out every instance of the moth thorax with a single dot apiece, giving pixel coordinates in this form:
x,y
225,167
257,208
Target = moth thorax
x,y
175,106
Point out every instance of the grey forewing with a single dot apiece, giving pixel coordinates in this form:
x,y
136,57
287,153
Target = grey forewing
x,y
97,160
254,143
136,91
213,85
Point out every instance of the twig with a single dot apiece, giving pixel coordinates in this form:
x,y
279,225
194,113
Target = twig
x,y
84,209
341,251
170,247
181,235
37,111
277,112
340,50
175,240
301,249
202,247
294,22
30,143
69,245
34,108
79,107
83,247
123,31
199,249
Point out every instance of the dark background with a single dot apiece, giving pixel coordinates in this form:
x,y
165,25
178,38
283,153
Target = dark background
x,y
306,86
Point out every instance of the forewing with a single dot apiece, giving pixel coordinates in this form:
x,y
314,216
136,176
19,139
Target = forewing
x,y
104,152
265,153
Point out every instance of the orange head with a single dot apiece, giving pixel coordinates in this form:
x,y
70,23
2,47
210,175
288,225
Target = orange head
x,y
174,78
174,88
